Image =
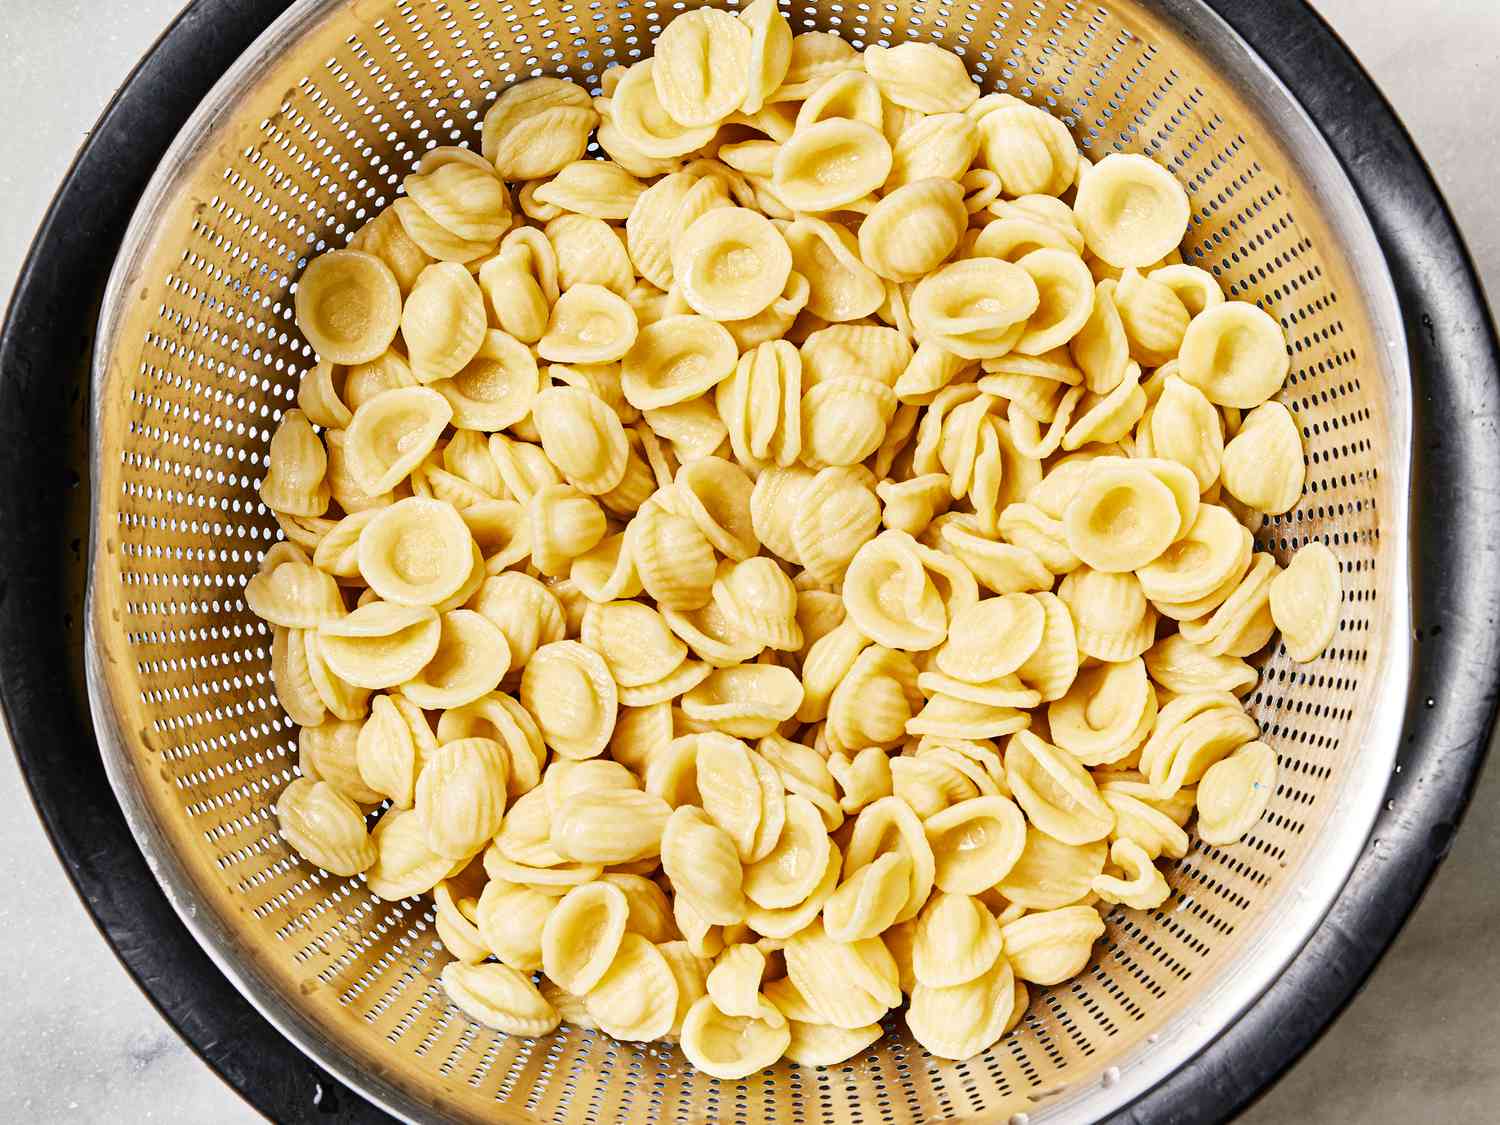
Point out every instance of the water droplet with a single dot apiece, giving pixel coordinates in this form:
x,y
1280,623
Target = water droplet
x,y
1019,1119
1110,1077
1430,702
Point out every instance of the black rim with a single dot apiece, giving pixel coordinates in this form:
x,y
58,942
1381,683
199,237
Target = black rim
x,y
45,348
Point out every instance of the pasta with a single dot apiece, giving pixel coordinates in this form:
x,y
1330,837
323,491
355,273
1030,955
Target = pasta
x,y
348,305
796,564
1304,601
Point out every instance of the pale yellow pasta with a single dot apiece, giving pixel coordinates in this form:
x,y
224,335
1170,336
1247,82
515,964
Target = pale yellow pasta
x,y
1263,464
461,795
520,283
840,286
676,359
1051,874
1236,354
537,127
588,324
863,777
637,997
600,189
848,984
1186,428
957,1021
443,321
405,864
1304,601
1234,793
295,481
821,1044
583,437
1181,667
589,251
891,597
1153,316
975,843
955,940
1052,945
1191,733
1029,149
715,495
770,52
434,239
701,860
875,701
790,872
460,192
1132,210
869,900
757,597
992,638
1065,295
830,164
911,231
1111,616
888,825
702,70
386,238
637,112
773,472
921,76
1242,623
381,644
836,513
390,435
1106,714
498,996
1121,518
849,94
470,661
567,687
386,752
734,982
348,306
325,827
1056,792
673,557
940,146
732,1047
974,308
1139,885
582,935
416,552
731,263
1196,573
748,701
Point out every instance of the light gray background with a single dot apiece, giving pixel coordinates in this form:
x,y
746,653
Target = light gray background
x,y
82,1044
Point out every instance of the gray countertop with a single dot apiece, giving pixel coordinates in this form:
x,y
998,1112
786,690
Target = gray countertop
x,y
84,1045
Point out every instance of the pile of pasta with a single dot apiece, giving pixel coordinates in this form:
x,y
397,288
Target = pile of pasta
x,y
797,566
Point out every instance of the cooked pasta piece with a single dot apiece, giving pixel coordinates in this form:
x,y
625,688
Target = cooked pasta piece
x,y
348,305
1304,602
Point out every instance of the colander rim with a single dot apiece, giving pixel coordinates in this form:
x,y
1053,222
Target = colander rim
x,y
33,286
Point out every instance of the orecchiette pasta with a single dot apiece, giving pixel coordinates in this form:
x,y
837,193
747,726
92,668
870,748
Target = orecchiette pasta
x,y
1304,601
348,305
800,561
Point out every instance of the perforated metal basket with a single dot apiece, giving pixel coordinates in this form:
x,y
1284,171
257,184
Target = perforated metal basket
x,y
197,355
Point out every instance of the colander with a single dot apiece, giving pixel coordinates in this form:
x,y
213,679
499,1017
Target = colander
x,y
1307,198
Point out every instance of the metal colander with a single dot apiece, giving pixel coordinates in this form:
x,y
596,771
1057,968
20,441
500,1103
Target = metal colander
x,y
197,356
